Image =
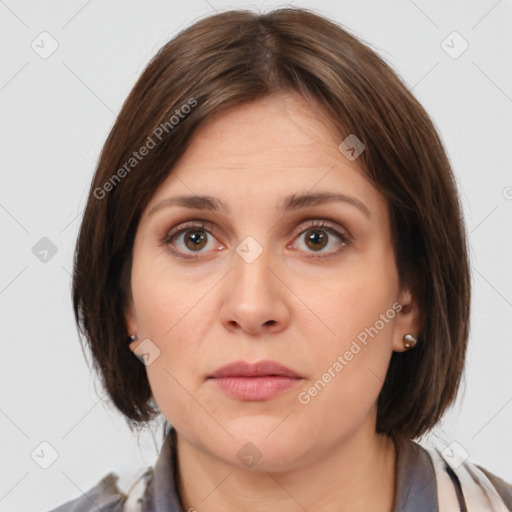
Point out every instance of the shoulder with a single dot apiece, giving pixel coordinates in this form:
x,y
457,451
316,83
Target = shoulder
x,y
106,496
503,488
477,487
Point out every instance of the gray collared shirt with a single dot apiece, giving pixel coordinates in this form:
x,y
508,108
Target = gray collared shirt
x,y
416,488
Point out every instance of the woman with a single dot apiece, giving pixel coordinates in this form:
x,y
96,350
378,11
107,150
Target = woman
x,y
274,231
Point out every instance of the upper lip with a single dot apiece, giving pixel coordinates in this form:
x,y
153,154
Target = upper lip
x,y
259,369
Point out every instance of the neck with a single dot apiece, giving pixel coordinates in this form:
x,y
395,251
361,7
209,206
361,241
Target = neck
x,y
357,475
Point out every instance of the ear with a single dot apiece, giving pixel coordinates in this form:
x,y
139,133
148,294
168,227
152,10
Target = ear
x,y
408,320
131,325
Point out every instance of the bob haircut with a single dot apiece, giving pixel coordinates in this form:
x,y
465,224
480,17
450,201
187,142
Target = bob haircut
x,y
238,56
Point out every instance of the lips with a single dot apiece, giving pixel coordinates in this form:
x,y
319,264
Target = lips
x,y
259,369
251,382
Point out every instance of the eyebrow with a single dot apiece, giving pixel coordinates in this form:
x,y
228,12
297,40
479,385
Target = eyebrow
x,y
289,203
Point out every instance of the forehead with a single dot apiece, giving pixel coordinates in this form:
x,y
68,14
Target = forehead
x,y
261,151
276,128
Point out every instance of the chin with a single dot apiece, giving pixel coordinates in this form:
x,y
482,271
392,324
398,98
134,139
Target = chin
x,y
258,445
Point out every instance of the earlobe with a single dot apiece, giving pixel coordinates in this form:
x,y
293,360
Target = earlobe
x,y
408,323
131,328
133,342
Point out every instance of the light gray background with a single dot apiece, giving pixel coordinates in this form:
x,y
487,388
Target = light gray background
x,y
55,115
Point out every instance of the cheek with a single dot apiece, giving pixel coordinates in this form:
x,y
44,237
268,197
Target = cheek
x,y
172,315
166,296
352,365
160,300
353,301
349,378
172,396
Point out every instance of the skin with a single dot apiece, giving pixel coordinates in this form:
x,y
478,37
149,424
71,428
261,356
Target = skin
x,y
286,306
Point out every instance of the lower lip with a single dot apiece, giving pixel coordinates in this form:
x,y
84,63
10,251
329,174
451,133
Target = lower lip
x,y
255,388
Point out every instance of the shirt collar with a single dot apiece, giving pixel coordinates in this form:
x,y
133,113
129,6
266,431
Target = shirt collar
x,y
162,490
415,489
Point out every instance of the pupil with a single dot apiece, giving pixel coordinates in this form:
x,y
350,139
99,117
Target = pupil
x,y
315,237
196,238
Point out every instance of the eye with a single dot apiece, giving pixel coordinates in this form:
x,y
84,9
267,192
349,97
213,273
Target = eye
x,y
190,238
319,235
185,240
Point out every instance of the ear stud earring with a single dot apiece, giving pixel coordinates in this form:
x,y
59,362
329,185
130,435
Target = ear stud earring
x,y
409,341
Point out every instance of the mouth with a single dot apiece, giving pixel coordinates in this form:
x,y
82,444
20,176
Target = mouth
x,y
259,369
255,381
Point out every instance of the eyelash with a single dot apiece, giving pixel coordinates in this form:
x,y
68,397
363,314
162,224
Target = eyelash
x,y
207,227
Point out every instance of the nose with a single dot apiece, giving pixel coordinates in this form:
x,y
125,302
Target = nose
x,y
254,297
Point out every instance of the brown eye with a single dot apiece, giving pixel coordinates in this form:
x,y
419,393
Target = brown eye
x,y
316,239
195,239
317,236
190,240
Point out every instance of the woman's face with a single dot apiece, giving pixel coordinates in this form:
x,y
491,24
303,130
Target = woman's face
x,y
258,274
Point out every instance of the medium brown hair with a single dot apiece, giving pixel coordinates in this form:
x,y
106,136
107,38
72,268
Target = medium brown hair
x,y
238,56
